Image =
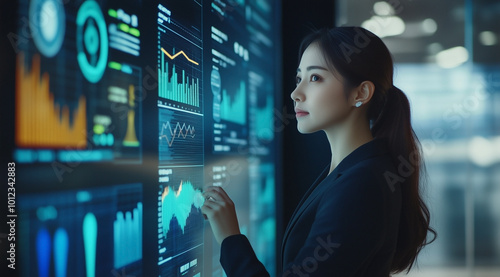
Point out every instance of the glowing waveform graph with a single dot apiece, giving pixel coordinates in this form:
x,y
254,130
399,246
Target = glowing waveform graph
x,y
180,138
40,121
179,131
179,204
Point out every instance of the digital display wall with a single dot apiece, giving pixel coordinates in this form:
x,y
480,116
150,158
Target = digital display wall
x,y
121,113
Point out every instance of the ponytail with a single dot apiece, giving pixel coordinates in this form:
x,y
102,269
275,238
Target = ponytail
x,y
394,125
393,122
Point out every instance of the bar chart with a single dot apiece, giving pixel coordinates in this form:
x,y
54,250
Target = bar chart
x,y
42,121
179,56
99,228
178,87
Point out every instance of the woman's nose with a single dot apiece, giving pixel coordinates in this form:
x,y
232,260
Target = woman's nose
x,y
296,95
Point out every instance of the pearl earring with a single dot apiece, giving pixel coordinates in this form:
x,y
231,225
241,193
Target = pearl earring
x,y
358,104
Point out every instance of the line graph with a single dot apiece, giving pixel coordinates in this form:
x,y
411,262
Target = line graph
x,y
176,55
180,56
180,137
178,131
185,90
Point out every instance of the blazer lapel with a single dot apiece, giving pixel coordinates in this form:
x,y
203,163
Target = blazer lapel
x,y
308,198
375,147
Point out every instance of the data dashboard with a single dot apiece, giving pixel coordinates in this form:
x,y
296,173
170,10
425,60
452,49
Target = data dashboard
x,y
122,113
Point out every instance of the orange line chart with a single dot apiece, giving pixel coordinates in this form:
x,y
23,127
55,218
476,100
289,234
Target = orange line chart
x,y
178,53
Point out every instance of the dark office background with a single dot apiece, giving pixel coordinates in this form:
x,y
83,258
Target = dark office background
x,y
304,156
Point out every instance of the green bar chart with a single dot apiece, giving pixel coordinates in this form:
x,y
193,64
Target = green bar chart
x,y
177,85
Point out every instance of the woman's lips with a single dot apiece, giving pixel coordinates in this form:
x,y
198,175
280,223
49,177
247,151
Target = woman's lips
x,y
300,113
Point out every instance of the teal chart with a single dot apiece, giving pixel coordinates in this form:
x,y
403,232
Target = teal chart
x,y
180,220
229,90
179,204
262,115
178,87
180,56
100,229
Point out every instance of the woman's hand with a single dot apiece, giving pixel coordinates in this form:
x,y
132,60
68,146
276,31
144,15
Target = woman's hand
x,y
219,210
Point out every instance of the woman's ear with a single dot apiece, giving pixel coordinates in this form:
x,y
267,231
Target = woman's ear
x,y
363,93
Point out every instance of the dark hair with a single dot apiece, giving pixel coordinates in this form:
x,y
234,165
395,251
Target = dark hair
x,y
358,55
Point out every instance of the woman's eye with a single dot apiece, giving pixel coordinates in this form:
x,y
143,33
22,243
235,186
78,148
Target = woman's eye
x,y
297,80
314,78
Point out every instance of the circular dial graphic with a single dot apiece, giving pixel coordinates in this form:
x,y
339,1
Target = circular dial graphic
x,y
91,41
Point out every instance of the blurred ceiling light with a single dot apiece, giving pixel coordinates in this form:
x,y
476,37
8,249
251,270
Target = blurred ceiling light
x,y
420,28
429,26
383,8
384,26
452,57
434,48
488,38
484,152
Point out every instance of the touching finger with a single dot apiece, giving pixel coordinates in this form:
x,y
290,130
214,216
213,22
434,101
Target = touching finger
x,y
219,194
210,195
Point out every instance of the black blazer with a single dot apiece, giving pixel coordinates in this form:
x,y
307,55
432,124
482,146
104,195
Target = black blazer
x,y
345,225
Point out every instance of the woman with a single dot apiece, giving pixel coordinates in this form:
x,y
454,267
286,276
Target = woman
x,y
363,216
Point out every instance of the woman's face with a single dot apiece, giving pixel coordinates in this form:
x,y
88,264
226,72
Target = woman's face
x,y
320,101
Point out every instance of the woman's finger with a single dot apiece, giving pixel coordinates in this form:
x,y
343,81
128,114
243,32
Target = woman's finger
x,y
209,208
218,193
211,195
223,194
220,211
